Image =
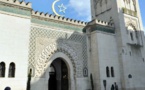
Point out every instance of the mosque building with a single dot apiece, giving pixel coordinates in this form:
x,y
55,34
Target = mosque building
x,y
41,51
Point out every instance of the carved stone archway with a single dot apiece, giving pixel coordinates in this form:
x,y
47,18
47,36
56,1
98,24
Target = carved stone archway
x,y
44,58
68,62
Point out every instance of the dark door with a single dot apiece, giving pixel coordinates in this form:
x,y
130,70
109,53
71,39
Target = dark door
x,y
52,81
58,68
64,78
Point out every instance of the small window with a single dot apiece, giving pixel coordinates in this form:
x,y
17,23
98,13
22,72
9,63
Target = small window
x,y
143,59
130,53
107,72
112,71
12,70
2,69
136,34
85,72
131,35
122,50
129,76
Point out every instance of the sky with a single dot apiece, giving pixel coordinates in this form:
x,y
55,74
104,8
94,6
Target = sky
x,y
142,9
76,9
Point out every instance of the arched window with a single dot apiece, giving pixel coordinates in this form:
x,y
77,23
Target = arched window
x,y
131,36
133,32
12,70
107,72
7,88
134,4
85,71
2,69
112,71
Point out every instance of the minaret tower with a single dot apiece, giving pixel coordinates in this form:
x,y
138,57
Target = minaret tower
x,y
129,39
117,9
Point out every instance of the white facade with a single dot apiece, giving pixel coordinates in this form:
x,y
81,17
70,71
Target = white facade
x,y
14,43
84,56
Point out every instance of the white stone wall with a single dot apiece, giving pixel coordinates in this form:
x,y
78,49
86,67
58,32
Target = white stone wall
x,y
127,63
14,44
94,61
134,65
106,55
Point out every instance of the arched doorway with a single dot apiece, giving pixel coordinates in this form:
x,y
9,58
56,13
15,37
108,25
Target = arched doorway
x,y
7,88
58,75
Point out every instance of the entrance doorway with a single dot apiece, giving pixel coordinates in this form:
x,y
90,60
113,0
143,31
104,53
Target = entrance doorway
x,y
58,75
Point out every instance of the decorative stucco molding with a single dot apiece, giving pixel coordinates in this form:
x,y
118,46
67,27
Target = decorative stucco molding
x,y
44,57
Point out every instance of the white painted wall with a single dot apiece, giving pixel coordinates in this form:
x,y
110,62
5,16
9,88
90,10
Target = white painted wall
x,y
106,55
94,61
14,47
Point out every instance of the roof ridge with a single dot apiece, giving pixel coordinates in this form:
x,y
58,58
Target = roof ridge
x,y
101,22
16,2
60,18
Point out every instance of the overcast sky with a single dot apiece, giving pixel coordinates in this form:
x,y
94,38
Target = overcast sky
x,y
76,9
